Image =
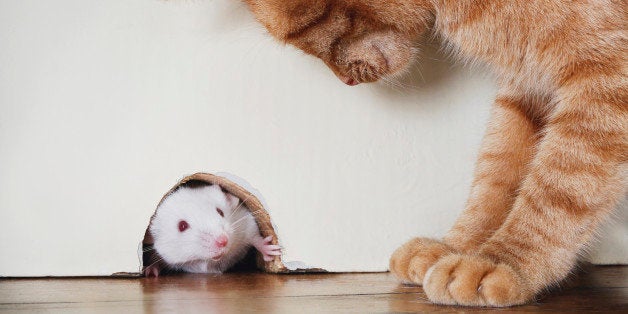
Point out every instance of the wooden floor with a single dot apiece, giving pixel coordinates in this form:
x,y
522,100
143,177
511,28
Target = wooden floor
x,y
595,289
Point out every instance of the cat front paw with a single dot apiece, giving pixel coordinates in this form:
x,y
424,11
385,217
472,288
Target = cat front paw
x,y
469,280
268,250
410,262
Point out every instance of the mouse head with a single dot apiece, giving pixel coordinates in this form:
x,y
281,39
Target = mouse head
x,y
357,41
194,223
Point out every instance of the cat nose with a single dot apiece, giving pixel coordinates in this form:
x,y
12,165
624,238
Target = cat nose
x,y
222,240
351,82
347,80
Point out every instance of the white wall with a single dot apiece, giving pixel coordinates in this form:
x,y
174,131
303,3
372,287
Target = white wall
x,y
104,105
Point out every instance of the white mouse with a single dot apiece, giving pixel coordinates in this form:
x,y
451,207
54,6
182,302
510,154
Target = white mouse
x,y
204,229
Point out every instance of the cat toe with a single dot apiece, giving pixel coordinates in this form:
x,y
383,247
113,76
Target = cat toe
x,y
410,262
474,281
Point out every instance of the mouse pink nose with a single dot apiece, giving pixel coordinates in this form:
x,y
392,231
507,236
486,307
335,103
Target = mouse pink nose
x,y
222,240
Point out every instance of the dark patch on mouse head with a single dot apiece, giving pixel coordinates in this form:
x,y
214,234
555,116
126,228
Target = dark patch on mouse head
x,y
232,201
192,184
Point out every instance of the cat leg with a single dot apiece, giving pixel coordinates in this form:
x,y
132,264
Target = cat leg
x,y
575,180
505,152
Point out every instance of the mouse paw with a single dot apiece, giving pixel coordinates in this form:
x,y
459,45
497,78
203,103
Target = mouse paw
x,y
268,250
474,281
152,270
410,262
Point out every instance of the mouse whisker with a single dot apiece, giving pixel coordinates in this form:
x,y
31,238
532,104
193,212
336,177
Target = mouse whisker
x,y
245,216
237,228
239,223
235,210
255,212
155,262
235,223
240,205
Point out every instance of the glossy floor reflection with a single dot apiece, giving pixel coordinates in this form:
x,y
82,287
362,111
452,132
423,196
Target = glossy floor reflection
x,y
599,289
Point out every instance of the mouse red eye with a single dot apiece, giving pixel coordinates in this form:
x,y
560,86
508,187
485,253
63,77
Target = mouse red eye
x,y
183,225
220,212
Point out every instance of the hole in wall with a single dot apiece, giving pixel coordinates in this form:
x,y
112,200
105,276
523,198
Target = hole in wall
x,y
252,261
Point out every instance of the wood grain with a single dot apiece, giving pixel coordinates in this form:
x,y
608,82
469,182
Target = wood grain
x,y
599,289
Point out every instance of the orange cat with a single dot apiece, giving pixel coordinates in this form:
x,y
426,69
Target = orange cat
x,y
553,163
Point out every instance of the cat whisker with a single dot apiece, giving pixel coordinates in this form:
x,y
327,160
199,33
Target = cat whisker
x,y
396,84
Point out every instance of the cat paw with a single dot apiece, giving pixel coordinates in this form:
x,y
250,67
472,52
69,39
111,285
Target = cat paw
x,y
410,262
268,250
474,281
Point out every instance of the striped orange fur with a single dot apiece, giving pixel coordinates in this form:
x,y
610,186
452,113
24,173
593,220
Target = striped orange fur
x,y
553,163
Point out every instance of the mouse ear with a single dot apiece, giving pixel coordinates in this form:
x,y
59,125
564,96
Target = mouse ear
x,y
232,200
238,190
